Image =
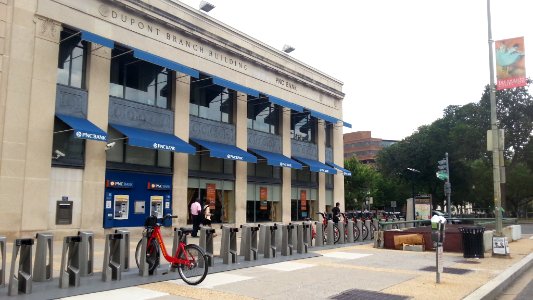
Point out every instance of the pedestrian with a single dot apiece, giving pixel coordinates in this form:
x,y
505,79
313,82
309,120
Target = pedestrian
x,y
207,217
336,212
196,209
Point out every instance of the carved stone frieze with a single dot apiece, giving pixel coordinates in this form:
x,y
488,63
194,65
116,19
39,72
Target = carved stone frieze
x,y
211,130
264,141
47,29
138,115
71,101
303,149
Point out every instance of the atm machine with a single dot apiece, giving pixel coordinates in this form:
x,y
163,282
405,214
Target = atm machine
x,y
156,206
121,207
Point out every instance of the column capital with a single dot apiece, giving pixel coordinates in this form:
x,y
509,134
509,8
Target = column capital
x,y
47,29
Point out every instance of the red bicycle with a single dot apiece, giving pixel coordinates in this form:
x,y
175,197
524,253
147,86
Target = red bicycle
x,y
189,260
336,232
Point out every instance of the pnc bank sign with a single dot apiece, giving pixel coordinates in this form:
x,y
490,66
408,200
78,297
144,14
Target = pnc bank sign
x,y
90,136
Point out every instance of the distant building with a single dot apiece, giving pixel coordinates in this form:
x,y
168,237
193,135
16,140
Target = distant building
x,y
362,145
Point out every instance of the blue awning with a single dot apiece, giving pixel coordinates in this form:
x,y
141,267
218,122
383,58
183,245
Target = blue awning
x,y
83,128
163,62
322,116
234,86
93,38
284,103
226,151
344,171
276,159
316,166
154,140
346,124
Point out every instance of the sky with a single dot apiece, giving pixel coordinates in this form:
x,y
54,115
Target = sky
x,y
402,62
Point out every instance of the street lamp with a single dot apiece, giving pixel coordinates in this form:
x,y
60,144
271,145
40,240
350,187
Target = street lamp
x,y
413,172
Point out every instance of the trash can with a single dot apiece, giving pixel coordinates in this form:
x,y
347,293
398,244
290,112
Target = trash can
x,y
472,241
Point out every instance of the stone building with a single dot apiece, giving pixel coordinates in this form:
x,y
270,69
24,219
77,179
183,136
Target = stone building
x,y
112,110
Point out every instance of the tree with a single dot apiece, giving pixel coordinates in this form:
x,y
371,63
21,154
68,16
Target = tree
x,y
360,185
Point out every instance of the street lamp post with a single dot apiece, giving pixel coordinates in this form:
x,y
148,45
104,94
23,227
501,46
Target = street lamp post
x,y
413,172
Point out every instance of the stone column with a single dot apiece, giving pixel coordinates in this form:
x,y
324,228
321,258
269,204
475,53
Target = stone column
x,y
338,159
97,74
285,131
37,114
181,98
321,143
241,167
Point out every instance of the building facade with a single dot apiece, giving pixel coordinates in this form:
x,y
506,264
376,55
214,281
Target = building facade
x,y
363,146
111,111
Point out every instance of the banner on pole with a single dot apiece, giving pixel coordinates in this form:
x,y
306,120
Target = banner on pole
x,y
510,63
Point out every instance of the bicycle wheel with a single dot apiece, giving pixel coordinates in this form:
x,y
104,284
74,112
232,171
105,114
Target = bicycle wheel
x,y
195,272
356,232
336,233
365,231
152,255
372,229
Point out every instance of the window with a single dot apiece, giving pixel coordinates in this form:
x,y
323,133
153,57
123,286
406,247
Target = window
x,y
210,101
205,163
139,81
262,169
64,142
304,176
72,59
303,127
124,153
263,115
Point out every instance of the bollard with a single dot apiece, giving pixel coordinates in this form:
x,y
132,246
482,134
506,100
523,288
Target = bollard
x,y
249,242
261,246
342,236
286,239
2,261
143,266
350,231
278,237
269,250
228,247
330,237
86,253
125,248
360,227
308,237
43,264
22,281
376,225
319,238
206,243
301,246
70,262
111,269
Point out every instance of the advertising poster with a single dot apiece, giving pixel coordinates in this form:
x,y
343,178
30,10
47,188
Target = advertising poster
x,y
423,207
211,194
303,199
263,196
500,245
510,63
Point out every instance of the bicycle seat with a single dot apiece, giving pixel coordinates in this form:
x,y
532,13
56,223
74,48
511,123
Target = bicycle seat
x,y
185,230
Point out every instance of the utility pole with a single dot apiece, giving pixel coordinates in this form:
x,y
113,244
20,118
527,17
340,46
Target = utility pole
x,y
495,134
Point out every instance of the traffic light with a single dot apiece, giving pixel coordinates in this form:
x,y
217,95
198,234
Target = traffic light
x,y
443,172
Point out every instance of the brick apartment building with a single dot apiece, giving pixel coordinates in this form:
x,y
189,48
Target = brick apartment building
x,y
362,145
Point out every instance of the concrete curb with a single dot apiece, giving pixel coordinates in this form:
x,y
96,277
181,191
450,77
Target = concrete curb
x,y
494,287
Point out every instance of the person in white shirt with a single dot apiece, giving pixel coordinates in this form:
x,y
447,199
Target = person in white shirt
x,y
196,209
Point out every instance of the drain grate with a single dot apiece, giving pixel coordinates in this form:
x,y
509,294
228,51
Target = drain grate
x,y
366,295
455,271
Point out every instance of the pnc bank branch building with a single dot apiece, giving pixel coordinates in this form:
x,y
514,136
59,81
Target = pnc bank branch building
x,y
114,110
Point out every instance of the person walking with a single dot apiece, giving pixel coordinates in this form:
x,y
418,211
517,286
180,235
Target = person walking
x,y
207,217
196,209
336,212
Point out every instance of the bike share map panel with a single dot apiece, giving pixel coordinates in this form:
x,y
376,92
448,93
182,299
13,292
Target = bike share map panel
x,y
131,197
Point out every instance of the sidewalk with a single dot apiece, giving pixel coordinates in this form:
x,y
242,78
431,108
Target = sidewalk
x,y
326,272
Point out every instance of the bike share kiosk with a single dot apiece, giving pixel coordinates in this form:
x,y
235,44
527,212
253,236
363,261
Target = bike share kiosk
x,y
438,226
132,197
